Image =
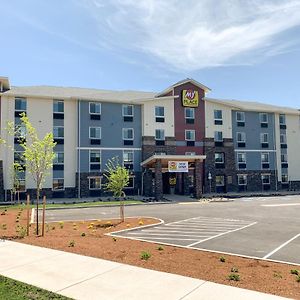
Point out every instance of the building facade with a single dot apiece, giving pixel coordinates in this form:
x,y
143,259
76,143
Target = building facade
x,y
228,145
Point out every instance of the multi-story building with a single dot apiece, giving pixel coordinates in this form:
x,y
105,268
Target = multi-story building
x,y
225,145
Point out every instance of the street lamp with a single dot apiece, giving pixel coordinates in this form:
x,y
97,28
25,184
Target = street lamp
x,y
209,178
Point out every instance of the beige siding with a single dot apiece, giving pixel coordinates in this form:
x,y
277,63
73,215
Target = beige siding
x,y
148,118
210,126
293,142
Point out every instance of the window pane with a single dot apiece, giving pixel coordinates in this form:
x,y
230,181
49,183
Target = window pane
x,y
95,108
58,132
159,111
128,156
159,134
95,132
219,157
128,110
264,118
240,116
95,183
218,136
190,135
58,158
189,113
58,106
20,104
282,119
220,180
95,156
218,114
128,134
58,184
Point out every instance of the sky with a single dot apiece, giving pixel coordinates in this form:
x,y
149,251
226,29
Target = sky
x,y
241,49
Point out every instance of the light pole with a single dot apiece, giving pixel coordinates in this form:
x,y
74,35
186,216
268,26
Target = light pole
x,y
209,178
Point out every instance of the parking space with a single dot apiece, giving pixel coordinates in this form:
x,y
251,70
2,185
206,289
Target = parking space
x,y
188,232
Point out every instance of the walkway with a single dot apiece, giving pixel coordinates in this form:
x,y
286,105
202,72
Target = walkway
x,y
82,277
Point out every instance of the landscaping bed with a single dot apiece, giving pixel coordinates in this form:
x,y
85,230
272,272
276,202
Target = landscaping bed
x,y
89,238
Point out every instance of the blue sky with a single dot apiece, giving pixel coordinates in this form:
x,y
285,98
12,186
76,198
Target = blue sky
x,y
241,49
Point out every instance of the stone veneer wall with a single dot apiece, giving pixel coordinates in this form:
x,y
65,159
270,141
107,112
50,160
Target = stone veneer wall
x,y
229,166
149,146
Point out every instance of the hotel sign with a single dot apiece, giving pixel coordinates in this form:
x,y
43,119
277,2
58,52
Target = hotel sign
x,y
190,98
178,166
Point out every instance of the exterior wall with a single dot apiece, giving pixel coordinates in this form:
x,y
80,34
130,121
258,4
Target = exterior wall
x,y
148,117
181,126
211,127
293,142
150,147
277,146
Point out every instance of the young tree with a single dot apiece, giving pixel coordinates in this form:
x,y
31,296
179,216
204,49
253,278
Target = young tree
x,y
117,179
15,171
38,155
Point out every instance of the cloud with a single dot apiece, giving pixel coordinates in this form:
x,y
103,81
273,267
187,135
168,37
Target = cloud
x,y
196,34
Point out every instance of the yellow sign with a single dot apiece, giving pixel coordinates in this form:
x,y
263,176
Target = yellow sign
x,y
172,180
190,98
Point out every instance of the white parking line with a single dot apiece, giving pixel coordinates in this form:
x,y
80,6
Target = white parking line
x,y
169,234
281,246
280,205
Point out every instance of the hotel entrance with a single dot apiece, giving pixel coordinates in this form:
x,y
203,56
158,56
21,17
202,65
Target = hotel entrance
x,y
169,174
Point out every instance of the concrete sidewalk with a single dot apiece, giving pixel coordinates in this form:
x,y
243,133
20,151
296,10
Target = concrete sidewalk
x,y
83,277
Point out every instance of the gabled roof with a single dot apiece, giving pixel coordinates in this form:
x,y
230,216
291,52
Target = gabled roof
x,y
254,106
187,80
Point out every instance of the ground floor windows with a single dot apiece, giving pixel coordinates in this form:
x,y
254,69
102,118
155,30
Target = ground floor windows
x,y
242,180
95,183
128,159
58,184
266,179
284,179
131,183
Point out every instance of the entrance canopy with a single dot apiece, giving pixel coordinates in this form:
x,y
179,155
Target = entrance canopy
x,y
149,163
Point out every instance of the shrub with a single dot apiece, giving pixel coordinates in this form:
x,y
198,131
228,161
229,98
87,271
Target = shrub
x,y
160,248
277,275
298,278
61,225
53,227
22,232
141,222
234,270
222,259
114,239
234,277
72,244
145,255
4,226
3,213
295,272
83,234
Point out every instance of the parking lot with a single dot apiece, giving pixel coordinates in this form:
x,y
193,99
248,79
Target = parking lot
x,y
263,227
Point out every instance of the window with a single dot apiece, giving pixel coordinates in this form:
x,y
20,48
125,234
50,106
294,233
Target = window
x,y
95,108
58,158
242,179
95,133
159,114
218,117
282,138
128,159
219,158
189,114
284,178
95,160
190,153
22,185
240,117
95,183
58,184
58,132
264,140
127,112
20,132
241,139
263,119
241,157
131,183
160,134
220,180
159,137
190,135
282,120
265,158
265,178
128,136
19,158
58,106
20,104
284,158
218,136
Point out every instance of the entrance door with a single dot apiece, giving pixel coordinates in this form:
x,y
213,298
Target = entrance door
x,y
166,184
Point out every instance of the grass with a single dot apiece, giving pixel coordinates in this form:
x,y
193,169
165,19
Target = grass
x,y
70,205
15,290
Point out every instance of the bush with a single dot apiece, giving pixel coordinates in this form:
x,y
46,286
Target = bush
x,y
298,278
114,239
160,248
72,244
222,259
234,270
145,255
61,225
295,272
83,234
22,232
234,277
